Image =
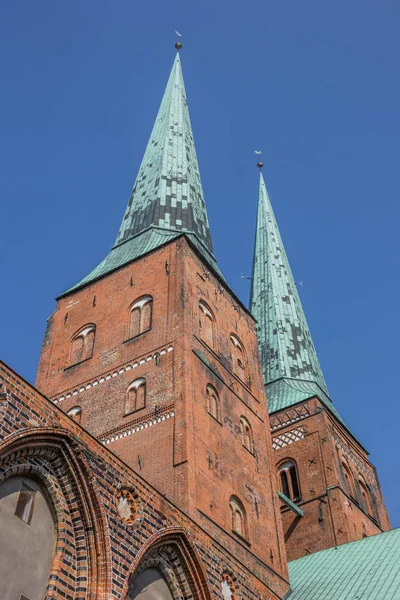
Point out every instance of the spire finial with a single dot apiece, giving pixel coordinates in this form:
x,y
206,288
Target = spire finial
x,y
178,44
260,164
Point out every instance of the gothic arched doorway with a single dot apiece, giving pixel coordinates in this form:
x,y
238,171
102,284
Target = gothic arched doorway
x,y
168,568
150,585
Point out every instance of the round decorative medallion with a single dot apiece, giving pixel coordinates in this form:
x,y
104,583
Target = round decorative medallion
x,y
126,506
227,587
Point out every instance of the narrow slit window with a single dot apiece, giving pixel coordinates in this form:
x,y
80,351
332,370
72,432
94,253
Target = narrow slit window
x,y
247,434
25,503
238,359
294,482
365,495
285,483
212,401
349,478
206,324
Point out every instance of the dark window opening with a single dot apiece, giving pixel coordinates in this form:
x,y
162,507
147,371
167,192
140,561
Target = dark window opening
x,y
25,502
285,484
294,482
289,480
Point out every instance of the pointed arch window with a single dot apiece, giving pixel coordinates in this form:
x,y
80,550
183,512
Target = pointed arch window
x,y
365,495
247,434
75,414
289,481
212,397
238,358
136,396
82,344
238,517
349,478
140,316
206,324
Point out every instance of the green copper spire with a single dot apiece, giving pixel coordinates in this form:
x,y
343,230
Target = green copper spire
x,y
167,192
290,364
167,199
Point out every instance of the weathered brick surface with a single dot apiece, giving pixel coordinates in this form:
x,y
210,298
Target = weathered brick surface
x,y
96,551
193,463
196,461
332,515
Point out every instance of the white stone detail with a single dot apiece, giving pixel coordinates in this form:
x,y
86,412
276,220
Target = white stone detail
x,y
294,435
88,386
138,428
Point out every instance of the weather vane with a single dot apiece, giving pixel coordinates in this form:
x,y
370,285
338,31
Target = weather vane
x,y
178,43
260,164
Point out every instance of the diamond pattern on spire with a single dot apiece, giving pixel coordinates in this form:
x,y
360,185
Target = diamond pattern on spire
x,y
168,192
286,347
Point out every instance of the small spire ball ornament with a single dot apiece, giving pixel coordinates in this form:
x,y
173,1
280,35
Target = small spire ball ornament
x,y
178,44
260,164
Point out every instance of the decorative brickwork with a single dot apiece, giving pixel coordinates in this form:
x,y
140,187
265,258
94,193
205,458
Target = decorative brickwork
x,y
294,435
173,440
291,415
97,553
335,511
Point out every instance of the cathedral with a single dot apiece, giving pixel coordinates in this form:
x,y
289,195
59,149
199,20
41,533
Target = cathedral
x,y
178,444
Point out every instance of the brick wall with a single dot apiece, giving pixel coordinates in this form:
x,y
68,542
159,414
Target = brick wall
x,y
96,550
316,442
174,442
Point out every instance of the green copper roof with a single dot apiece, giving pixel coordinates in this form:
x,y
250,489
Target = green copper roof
x,y
167,199
289,361
368,569
285,392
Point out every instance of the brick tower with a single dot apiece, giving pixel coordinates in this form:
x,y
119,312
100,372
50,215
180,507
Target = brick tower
x,y
155,356
323,470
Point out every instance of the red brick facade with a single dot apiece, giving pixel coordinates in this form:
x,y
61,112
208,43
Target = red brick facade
x,y
197,460
332,469
192,452
209,470
97,552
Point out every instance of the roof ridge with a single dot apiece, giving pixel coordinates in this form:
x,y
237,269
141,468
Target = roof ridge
x,y
347,544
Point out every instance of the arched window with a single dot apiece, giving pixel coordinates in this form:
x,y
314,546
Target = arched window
x,y
136,396
212,401
365,495
289,480
238,359
140,316
348,475
247,434
75,414
238,517
82,344
206,324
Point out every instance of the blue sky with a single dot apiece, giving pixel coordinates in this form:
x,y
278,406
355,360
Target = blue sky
x,y
314,84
